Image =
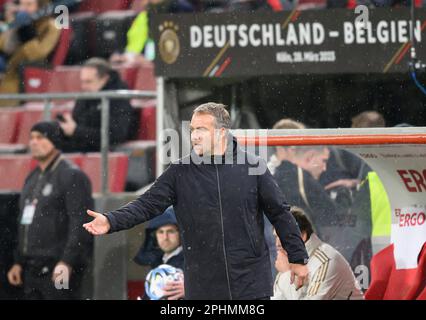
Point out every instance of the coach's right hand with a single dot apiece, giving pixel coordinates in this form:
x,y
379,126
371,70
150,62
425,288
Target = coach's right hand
x,y
15,275
99,225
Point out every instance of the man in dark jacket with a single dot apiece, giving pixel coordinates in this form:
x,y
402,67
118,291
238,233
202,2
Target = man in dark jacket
x,y
167,239
53,251
83,127
219,193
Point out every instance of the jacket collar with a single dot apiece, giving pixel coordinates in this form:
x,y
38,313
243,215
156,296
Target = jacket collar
x,y
167,257
312,244
230,155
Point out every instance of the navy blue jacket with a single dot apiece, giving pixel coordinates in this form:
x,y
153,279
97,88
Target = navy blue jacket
x,y
219,209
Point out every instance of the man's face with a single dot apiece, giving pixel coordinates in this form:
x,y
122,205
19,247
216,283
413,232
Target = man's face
x,y
40,146
168,238
90,80
315,162
204,135
28,6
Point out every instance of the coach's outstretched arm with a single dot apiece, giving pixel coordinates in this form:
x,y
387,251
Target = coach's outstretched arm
x,y
149,205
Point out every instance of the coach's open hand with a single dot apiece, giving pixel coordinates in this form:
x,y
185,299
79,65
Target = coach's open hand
x,y
99,225
299,274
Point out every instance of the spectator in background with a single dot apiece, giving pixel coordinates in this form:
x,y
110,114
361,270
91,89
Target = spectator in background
x,y
31,41
82,129
297,176
283,124
273,163
140,47
368,119
53,249
169,250
330,276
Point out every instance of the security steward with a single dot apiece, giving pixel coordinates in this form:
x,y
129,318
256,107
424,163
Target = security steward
x,y
53,250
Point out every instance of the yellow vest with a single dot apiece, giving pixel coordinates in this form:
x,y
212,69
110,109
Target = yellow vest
x,y
380,207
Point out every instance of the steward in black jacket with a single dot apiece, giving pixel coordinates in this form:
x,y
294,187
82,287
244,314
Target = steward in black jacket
x,y
219,209
52,202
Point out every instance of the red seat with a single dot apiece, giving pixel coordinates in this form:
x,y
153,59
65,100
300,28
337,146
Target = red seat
x,y
76,158
99,6
61,51
13,171
118,165
61,79
148,122
146,78
311,4
129,75
388,283
66,78
9,123
28,119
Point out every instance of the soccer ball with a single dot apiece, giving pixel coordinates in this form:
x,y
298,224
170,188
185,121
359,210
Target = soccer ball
x,y
157,279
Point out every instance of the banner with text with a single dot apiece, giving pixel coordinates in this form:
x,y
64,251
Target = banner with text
x,y
297,42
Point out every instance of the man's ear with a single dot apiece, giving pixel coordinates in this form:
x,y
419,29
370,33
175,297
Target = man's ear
x,y
309,155
304,236
106,78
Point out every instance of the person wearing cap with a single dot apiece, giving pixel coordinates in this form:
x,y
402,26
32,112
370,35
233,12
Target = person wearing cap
x,y
52,251
169,250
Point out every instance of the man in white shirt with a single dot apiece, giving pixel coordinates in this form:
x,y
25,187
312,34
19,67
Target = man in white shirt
x,y
330,276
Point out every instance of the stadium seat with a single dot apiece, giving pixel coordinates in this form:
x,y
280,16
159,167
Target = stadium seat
x,y
28,119
61,50
13,171
147,123
65,79
311,4
99,6
118,165
76,158
9,122
145,79
141,168
129,75
61,79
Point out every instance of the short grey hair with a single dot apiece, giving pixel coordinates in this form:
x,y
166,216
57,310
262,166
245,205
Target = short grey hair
x,y
300,150
218,111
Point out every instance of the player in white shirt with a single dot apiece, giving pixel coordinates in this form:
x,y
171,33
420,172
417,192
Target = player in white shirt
x,y
330,275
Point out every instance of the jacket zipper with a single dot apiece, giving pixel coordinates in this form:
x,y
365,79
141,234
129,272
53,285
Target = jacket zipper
x,y
223,233
27,227
25,249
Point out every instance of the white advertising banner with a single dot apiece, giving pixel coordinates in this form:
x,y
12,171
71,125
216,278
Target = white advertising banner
x,y
402,170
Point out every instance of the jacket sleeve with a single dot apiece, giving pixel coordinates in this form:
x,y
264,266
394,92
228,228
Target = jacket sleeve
x,y
78,198
152,203
323,283
39,47
278,212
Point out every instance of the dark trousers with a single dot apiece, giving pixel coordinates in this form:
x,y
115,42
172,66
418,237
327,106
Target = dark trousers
x,y
38,283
